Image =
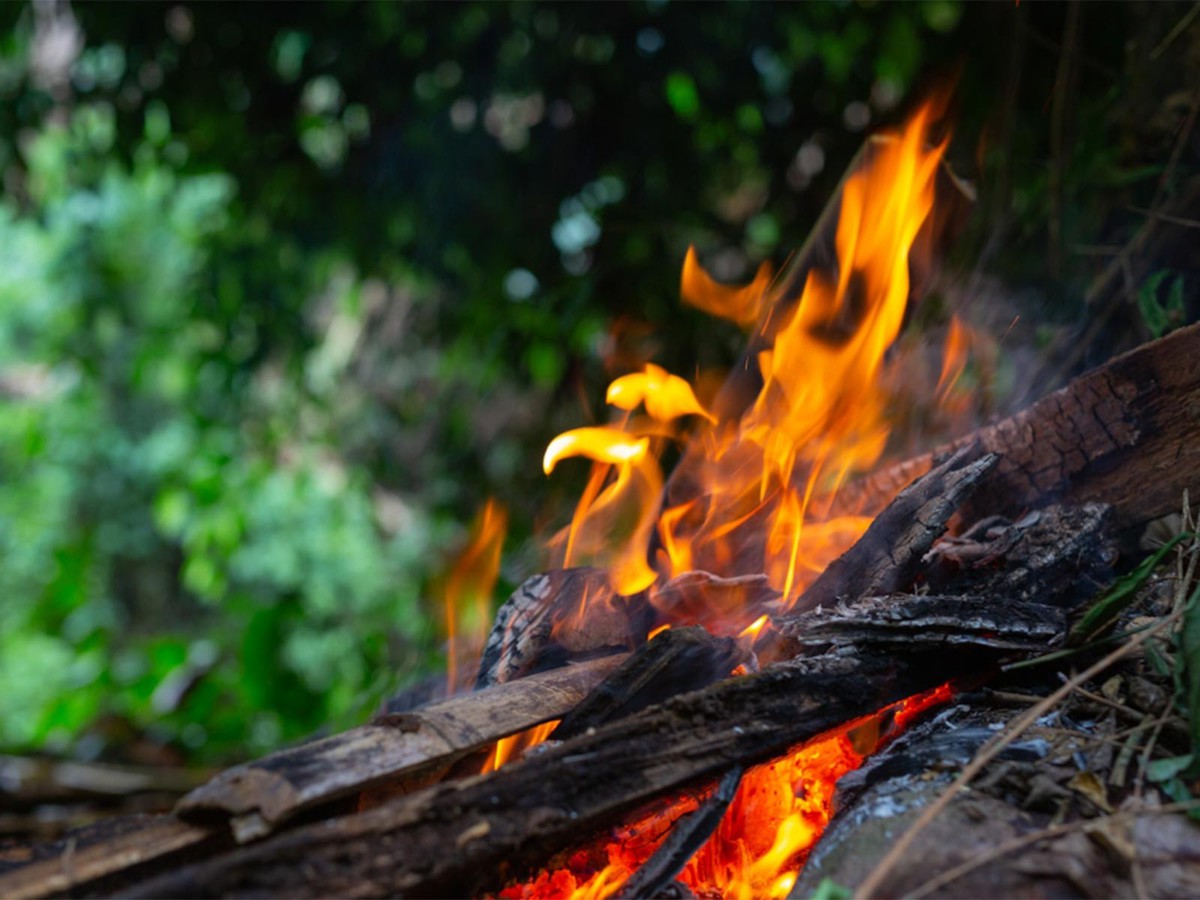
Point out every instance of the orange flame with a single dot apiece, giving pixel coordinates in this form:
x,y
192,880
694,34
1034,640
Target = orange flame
x,y
666,396
510,748
742,305
755,495
467,593
761,484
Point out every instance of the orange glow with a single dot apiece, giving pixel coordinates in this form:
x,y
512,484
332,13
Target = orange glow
x,y
654,632
742,305
467,591
510,748
954,359
778,813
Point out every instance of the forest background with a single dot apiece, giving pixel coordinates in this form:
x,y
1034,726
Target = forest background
x,y
288,290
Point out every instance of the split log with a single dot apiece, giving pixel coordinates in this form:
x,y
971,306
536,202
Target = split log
x,y
258,796
1126,434
127,847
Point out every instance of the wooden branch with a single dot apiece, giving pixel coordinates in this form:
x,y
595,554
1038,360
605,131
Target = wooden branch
x,y
258,796
461,838
687,836
1126,434
80,861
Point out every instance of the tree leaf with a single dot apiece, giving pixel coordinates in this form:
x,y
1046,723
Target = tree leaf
x,y
1165,769
1109,605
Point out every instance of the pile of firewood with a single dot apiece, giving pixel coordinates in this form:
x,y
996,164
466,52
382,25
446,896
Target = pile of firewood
x,y
1056,495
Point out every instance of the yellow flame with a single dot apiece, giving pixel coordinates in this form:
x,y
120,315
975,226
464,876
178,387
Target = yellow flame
x,y
509,748
604,445
666,396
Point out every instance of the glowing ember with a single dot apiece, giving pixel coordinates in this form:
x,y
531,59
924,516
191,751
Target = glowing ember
x,y
777,815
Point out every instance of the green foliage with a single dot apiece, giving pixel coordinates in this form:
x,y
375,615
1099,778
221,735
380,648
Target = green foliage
x,y
1162,317
165,561
1103,611
829,889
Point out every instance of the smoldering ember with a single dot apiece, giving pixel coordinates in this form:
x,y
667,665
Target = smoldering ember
x,y
792,665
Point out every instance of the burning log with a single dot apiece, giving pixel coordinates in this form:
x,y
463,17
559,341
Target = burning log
x,y
889,554
675,661
464,837
544,623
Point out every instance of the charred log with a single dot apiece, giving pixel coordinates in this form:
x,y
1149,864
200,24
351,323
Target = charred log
x,y
461,838
417,746
686,837
543,624
674,662
889,555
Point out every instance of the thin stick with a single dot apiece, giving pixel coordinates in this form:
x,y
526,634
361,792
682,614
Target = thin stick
x,y
870,887
688,836
951,875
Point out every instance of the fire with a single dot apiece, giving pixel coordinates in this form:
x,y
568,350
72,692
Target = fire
x,y
510,748
467,592
778,813
758,486
751,495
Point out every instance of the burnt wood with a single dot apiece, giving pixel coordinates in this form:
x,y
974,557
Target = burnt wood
x,y
675,661
541,625
889,554
1016,592
258,796
464,837
687,836
457,839
126,846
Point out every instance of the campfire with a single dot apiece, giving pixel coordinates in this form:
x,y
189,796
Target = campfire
x,y
669,708
745,523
